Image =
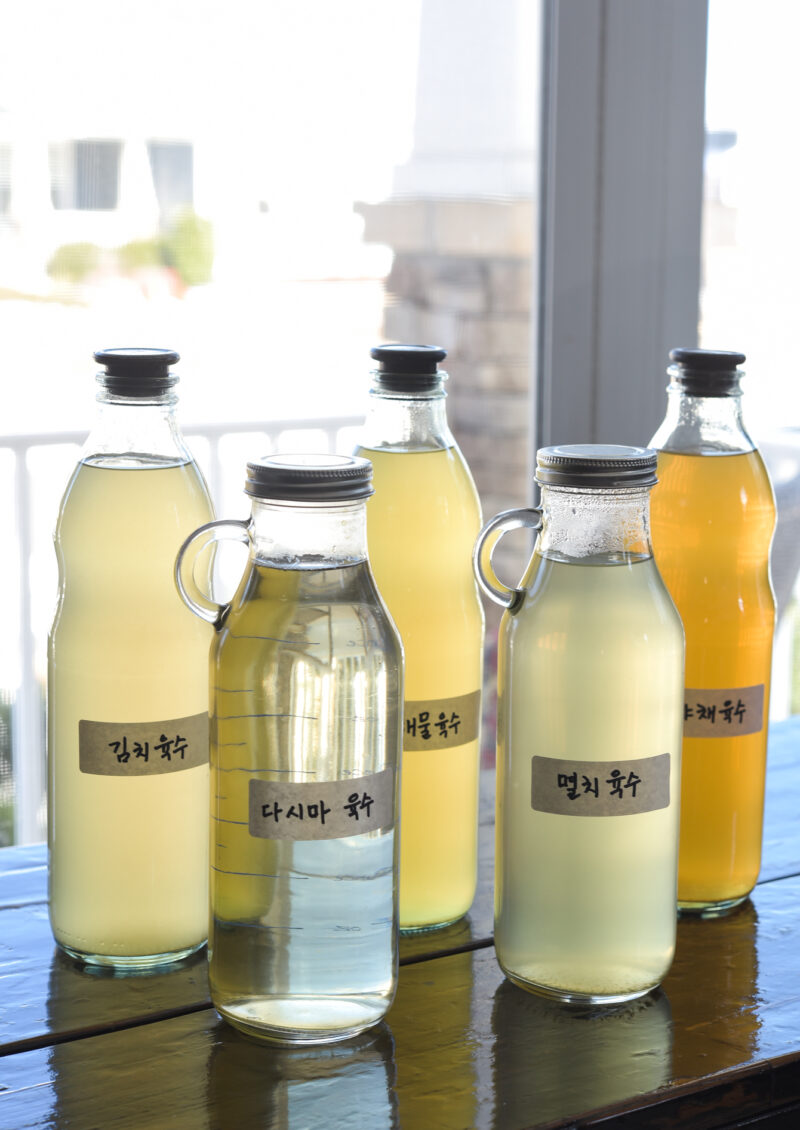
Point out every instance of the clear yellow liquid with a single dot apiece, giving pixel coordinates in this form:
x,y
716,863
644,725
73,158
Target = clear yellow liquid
x,y
422,523
128,856
712,523
306,684
590,668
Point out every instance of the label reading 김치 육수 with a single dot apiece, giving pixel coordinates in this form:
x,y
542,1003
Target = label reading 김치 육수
x,y
321,810
442,722
728,713
600,788
142,749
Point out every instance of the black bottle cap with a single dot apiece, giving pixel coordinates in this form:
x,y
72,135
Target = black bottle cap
x,y
596,466
310,478
408,368
137,371
706,372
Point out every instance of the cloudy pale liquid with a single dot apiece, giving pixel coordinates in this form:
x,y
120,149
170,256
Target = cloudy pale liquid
x,y
306,686
590,668
421,526
712,523
128,856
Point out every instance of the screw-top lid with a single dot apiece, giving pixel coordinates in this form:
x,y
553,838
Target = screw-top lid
x,y
136,371
408,368
594,466
706,372
310,478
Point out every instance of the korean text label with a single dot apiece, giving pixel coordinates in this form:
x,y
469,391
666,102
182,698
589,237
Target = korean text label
x,y
600,788
323,810
142,749
729,713
441,723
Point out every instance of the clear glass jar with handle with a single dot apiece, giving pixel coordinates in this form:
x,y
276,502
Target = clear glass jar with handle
x,y
127,702
590,700
422,524
713,517
306,693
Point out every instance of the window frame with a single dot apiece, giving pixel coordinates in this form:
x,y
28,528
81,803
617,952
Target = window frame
x,y
618,257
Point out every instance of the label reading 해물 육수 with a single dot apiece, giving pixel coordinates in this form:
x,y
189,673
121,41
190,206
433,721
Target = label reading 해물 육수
x,y
321,810
143,749
440,723
600,788
729,713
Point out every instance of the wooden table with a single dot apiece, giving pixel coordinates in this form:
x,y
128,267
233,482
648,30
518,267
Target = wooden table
x,y
719,1046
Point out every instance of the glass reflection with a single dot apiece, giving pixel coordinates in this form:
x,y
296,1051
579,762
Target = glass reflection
x,y
345,1084
436,1042
560,1060
713,992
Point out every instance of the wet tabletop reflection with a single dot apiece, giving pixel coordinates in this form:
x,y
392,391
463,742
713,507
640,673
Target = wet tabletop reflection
x,y
461,1047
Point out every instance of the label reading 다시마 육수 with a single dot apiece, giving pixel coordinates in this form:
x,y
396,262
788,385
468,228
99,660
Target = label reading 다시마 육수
x,y
321,810
600,788
728,713
142,749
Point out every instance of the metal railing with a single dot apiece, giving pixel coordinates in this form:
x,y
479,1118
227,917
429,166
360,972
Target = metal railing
x,y
27,722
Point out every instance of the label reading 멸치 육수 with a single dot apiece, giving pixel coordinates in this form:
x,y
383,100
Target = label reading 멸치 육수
x,y
142,749
600,788
321,810
440,723
729,713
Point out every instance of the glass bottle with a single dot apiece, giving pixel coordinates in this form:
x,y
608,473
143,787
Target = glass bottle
x,y
590,705
127,692
306,692
713,518
422,524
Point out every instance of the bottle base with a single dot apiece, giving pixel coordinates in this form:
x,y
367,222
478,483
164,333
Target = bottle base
x,y
427,927
710,909
569,997
126,965
302,1022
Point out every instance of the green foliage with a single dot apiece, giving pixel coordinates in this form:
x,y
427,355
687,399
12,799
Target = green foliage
x,y
141,253
74,261
189,247
6,778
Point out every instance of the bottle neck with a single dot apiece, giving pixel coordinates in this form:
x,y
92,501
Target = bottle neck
x,y
292,535
135,432
398,421
703,425
595,527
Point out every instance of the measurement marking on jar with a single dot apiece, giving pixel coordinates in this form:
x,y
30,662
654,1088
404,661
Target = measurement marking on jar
x,y
233,717
276,639
253,874
222,820
247,769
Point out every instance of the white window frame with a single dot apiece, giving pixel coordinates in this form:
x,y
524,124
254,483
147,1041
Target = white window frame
x,y
618,257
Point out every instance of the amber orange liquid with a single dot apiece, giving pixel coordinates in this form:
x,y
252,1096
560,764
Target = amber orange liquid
x,y
713,518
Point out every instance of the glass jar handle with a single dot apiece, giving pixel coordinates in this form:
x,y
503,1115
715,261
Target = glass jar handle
x,y
235,529
529,517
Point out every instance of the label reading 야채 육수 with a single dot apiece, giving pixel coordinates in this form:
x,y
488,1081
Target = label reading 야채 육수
x,y
729,713
142,749
600,788
321,810
440,723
